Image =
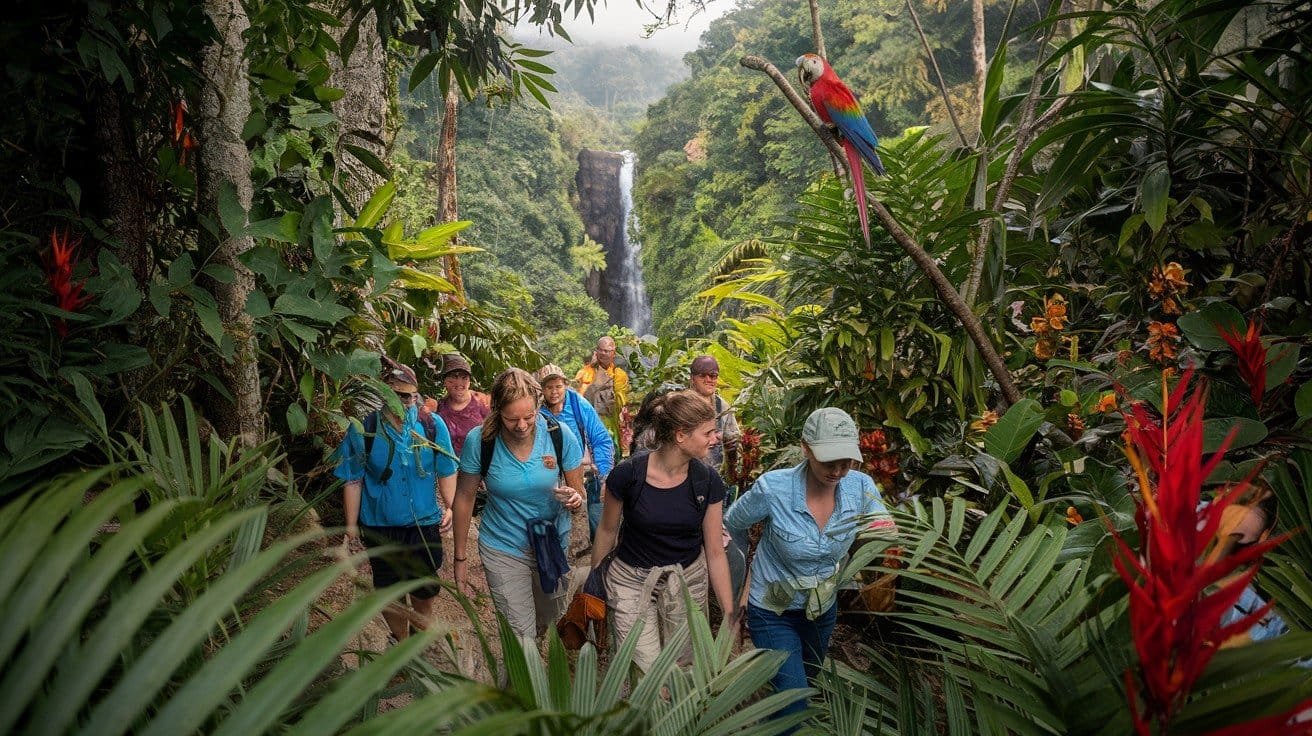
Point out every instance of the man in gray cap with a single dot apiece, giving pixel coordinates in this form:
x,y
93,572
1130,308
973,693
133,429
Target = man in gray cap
x,y
705,380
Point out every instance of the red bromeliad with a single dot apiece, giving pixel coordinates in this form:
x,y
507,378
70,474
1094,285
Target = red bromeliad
x,y
59,263
1251,353
1178,591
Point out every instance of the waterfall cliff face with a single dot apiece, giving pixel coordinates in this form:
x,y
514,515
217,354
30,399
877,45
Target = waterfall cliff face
x,y
605,185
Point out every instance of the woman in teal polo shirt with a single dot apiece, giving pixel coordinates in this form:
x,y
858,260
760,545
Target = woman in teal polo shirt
x,y
523,487
813,512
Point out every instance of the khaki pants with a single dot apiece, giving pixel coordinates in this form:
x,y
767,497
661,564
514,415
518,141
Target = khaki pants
x,y
654,596
517,594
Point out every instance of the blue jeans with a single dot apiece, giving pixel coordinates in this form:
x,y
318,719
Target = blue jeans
x,y
592,486
805,642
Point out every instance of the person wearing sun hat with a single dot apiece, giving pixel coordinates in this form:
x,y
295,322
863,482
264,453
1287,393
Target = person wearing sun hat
x,y
812,513
704,379
461,408
400,479
568,407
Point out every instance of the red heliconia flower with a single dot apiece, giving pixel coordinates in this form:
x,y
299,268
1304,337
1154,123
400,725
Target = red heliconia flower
x,y
59,264
1251,353
1178,591
178,111
744,473
182,138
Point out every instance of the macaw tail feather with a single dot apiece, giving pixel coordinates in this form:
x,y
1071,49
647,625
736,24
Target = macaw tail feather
x,y
859,187
867,151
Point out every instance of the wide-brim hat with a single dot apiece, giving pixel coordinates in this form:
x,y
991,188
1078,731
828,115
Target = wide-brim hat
x,y
548,371
453,362
832,435
394,372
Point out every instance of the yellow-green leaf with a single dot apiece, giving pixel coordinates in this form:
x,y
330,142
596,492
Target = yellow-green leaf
x,y
413,278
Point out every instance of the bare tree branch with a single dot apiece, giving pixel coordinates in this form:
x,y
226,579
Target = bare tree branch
x,y
1026,128
938,74
946,292
816,34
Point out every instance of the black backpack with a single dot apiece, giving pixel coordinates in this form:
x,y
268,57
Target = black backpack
x,y
488,447
371,431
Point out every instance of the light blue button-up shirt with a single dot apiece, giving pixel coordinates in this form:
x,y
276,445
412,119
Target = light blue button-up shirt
x,y
409,497
794,550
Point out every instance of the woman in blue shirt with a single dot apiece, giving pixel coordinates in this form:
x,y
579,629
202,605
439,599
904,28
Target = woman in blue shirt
x,y
523,487
393,480
813,512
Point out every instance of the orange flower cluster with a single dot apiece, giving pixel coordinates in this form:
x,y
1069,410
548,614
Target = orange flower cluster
x,y
1163,338
986,420
1073,516
1048,327
1107,404
881,464
1075,423
1167,286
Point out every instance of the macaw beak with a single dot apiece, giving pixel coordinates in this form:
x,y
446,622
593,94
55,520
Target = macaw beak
x,y
801,71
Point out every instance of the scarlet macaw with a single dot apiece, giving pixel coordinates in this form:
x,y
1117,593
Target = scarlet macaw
x,y
836,105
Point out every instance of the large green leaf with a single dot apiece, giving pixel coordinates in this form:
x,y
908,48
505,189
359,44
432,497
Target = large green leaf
x,y
1013,431
1248,432
1303,401
372,212
1155,192
1203,327
1282,359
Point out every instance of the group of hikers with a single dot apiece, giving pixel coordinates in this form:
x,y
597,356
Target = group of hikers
x,y
534,451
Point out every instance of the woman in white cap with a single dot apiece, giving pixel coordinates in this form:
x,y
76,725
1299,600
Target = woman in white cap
x,y
813,512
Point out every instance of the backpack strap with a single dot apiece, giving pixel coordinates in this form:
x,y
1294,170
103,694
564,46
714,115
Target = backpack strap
x,y
578,420
487,446
370,431
699,481
557,443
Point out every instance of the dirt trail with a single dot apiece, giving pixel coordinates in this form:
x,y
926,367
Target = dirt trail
x,y
466,657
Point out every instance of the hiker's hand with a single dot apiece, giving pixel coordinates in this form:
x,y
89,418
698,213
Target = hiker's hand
x,y
447,519
462,578
569,498
740,633
351,539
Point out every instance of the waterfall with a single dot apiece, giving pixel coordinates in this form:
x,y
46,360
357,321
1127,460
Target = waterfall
x,y
635,310
605,186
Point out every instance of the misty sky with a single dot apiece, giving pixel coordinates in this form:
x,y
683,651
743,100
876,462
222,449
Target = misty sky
x,y
620,23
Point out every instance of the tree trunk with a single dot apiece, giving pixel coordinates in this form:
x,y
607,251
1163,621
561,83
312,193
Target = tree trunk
x,y
363,111
446,183
225,104
124,203
978,54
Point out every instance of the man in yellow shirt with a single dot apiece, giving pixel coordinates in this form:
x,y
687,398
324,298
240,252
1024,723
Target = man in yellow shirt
x,y
606,386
